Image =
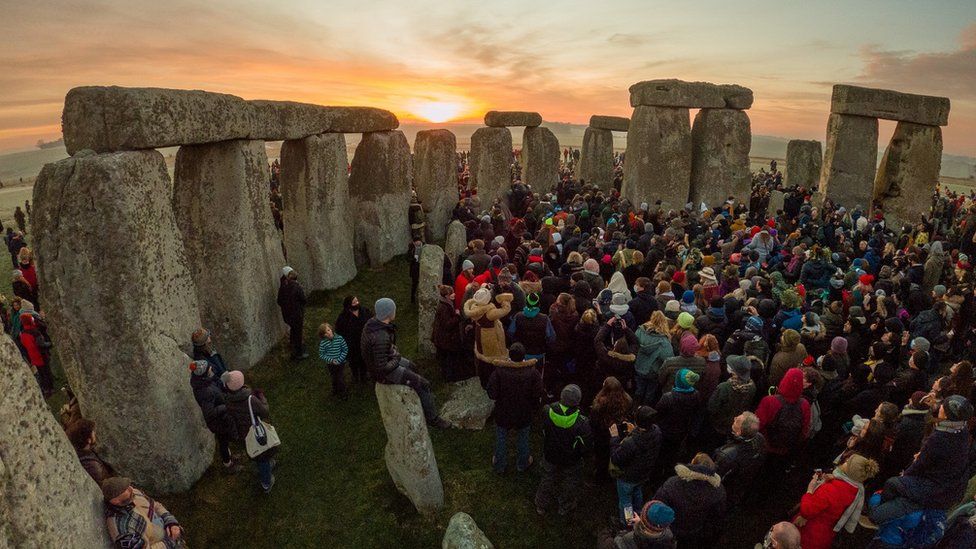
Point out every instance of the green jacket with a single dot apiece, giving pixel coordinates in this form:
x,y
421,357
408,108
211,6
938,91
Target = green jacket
x,y
654,349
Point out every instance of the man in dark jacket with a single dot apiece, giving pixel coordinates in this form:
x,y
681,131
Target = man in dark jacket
x,y
698,498
566,439
378,345
644,302
739,460
634,455
291,299
209,394
81,433
516,387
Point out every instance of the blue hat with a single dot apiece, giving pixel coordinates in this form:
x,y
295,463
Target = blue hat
x,y
685,380
384,308
754,323
688,296
658,514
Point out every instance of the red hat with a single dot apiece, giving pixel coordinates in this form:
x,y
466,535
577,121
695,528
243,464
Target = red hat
x,y
866,279
801,291
771,223
754,231
678,276
808,361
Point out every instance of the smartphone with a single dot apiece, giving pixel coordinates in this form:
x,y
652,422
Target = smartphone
x,y
629,513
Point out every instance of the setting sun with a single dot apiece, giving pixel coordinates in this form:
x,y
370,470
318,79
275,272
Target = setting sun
x,y
436,111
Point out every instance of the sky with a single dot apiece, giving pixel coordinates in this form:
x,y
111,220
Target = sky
x,y
457,59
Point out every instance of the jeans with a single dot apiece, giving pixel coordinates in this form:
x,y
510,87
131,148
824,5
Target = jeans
x,y
338,373
295,339
521,448
223,443
420,385
893,504
629,493
645,389
264,472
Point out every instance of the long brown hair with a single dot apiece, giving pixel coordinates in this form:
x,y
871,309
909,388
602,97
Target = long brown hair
x,y
612,402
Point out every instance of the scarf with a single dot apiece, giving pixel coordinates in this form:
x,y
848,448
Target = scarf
x,y
848,519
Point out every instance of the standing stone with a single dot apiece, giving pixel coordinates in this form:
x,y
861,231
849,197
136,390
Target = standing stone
x,y
431,271
469,405
804,161
409,453
455,244
48,498
435,178
658,155
491,163
379,186
909,173
720,143
463,533
92,211
316,210
220,198
540,158
596,158
777,199
847,177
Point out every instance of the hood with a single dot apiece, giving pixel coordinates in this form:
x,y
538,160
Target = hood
x,y
374,325
689,473
739,386
562,416
791,387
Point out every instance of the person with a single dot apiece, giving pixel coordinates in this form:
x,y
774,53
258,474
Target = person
x,y
334,351
349,324
414,254
644,303
610,406
533,329
489,334
291,299
696,494
783,535
654,348
732,397
448,337
203,349
134,519
20,219
633,455
516,387
208,391
243,404
650,530
81,433
387,366
784,417
566,440
833,502
687,359
38,348
21,287
739,460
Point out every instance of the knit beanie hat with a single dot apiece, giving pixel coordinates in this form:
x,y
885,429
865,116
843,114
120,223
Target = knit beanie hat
x,y
678,276
481,297
688,296
685,380
685,320
790,299
838,345
233,380
957,408
286,270
199,367
739,365
860,468
657,515
916,401
920,344
466,265
200,336
618,304
114,486
790,339
939,290
570,396
672,306
754,323
384,308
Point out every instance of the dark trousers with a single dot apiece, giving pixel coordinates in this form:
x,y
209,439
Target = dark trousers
x,y
358,368
44,379
338,373
295,339
560,485
451,363
421,386
223,444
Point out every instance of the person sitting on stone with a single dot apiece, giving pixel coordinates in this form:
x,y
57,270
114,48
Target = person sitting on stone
x,y
203,349
291,300
134,520
81,433
208,390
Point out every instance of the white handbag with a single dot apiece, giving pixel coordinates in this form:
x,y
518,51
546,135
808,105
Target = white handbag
x,y
261,436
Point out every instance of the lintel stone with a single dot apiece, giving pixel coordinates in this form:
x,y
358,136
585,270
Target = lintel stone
x,y
927,110
612,123
506,119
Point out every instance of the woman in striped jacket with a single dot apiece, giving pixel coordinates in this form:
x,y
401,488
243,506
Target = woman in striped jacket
x,y
334,351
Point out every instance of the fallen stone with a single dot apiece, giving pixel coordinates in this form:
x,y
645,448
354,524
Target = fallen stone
x,y
720,143
48,498
596,158
379,188
455,244
850,161
505,119
696,95
435,178
281,120
463,533
319,230
777,199
431,273
909,173
491,163
409,453
469,405
612,123
658,155
220,197
146,311
804,160
890,105
540,158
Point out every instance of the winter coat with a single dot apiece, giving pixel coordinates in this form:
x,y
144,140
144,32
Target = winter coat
x,y
731,398
237,409
566,435
653,350
698,498
446,334
210,396
738,462
822,509
789,390
489,335
783,361
564,325
140,523
611,362
908,440
642,306
215,360
672,365
34,342
533,330
516,388
639,538
937,478
677,411
930,325
378,346
95,466
350,327
712,322
636,455
460,286
291,299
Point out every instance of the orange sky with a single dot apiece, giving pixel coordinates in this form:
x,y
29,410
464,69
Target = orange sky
x,y
567,60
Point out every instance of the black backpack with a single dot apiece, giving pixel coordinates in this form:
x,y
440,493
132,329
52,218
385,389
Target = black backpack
x,y
786,429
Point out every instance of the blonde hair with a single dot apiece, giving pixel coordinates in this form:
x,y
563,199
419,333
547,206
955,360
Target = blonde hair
x,y
588,317
574,257
323,327
658,323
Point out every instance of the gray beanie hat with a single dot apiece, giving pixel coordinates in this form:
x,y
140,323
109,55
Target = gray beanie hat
x,y
384,308
739,365
957,408
920,344
570,396
467,264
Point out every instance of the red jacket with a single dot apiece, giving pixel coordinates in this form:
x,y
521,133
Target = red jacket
x,y
460,283
30,274
822,509
791,389
32,341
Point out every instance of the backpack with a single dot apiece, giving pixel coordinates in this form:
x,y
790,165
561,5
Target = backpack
x,y
756,347
786,429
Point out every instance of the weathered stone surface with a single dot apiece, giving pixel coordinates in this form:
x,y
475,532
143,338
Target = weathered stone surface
x,y
455,244
613,123
909,173
504,119
850,161
491,163
804,160
658,162
233,249
48,498
469,405
319,231
379,187
777,199
113,118
463,533
890,105
540,158
697,95
596,158
409,453
431,272
114,209
720,143
435,178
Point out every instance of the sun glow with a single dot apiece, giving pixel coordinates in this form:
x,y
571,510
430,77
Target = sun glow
x,y
437,111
